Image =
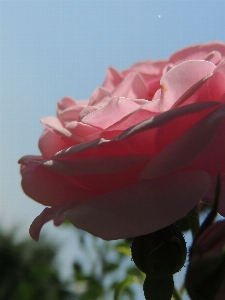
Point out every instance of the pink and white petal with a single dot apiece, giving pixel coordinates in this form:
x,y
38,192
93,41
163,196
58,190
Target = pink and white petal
x,y
179,79
187,147
140,208
133,86
97,165
50,188
113,78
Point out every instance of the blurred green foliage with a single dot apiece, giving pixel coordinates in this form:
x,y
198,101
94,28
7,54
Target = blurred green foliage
x,y
108,272
28,272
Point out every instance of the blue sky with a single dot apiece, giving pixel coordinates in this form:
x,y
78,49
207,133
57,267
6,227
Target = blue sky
x,y
49,49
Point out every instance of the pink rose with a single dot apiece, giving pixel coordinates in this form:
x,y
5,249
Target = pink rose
x,y
138,155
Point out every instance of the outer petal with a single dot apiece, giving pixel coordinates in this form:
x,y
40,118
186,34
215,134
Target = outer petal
x,y
141,208
50,188
57,143
147,137
83,180
187,147
134,210
98,165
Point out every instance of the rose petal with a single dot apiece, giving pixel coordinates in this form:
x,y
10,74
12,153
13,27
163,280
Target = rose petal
x,y
98,165
179,79
134,210
37,224
50,188
133,86
147,67
55,125
57,143
141,208
136,138
146,111
113,78
99,98
117,108
82,132
210,88
197,52
183,150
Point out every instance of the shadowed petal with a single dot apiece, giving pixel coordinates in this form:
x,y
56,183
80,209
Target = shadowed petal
x,y
141,208
183,150
134,210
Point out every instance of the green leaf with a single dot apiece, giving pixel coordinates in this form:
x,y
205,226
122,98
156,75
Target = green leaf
x,y
123,250
135,272
124,284
110,267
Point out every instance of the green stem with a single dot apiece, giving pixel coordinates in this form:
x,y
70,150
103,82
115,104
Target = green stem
x,y
193,220
176,294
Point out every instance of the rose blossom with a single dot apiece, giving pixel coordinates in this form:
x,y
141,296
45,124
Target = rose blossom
x,y
138,155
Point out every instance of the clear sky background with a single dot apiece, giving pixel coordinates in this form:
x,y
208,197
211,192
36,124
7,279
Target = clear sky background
x,y
52,48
